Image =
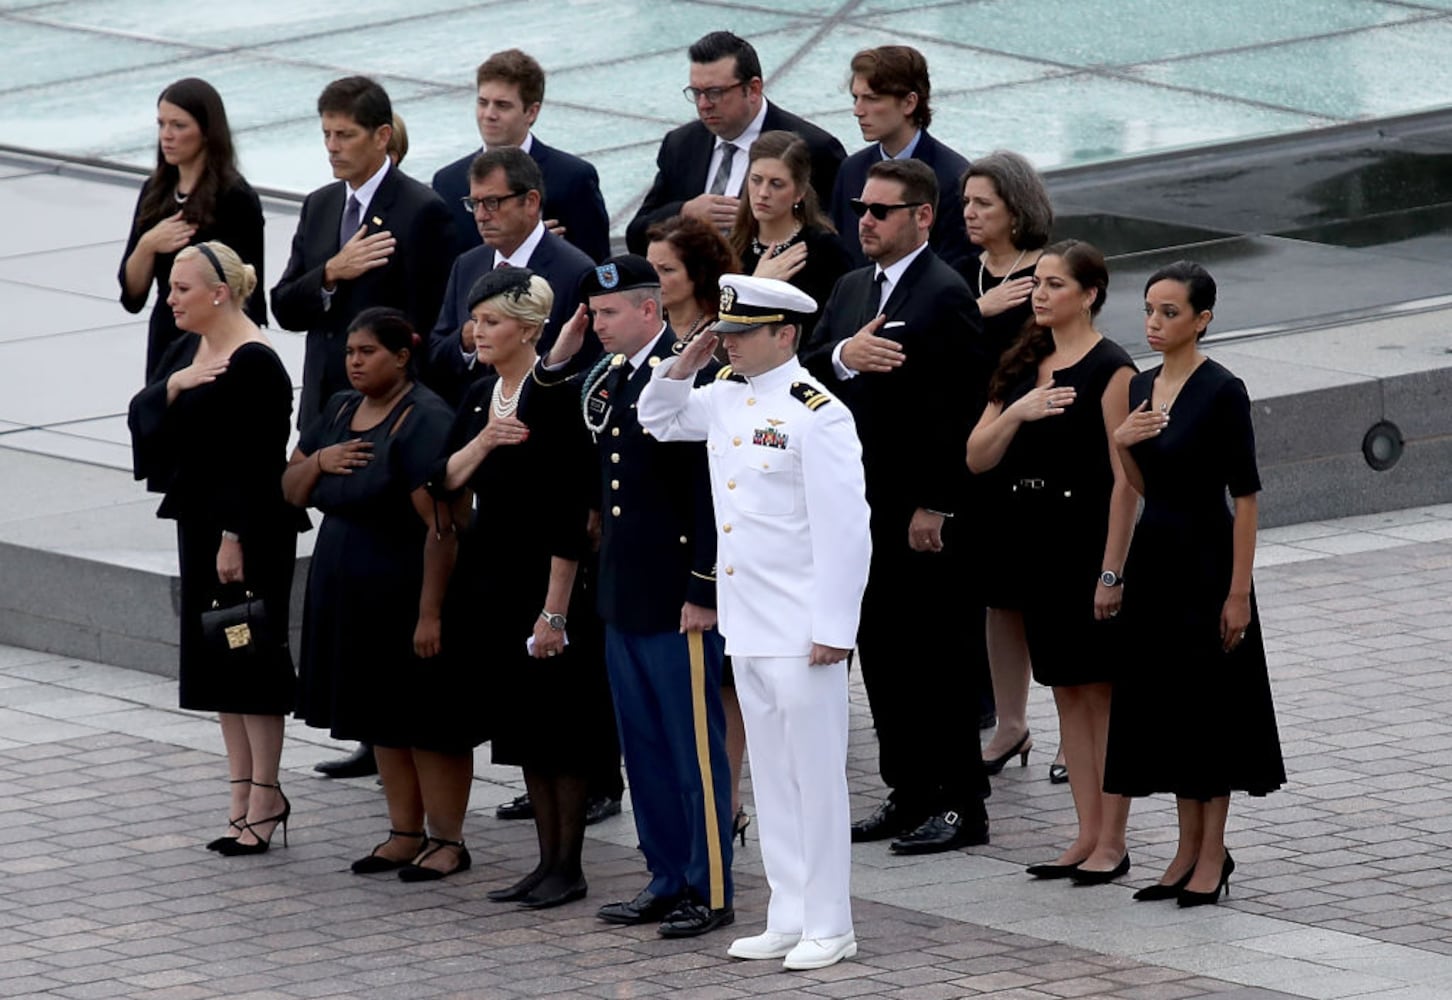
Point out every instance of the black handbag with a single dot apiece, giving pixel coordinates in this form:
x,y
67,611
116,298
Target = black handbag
x,y
237,632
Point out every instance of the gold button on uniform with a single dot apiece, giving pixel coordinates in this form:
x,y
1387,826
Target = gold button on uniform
x,y
615,456
730,484
615,511
615,432
730,571
751,401
726,528
684,540
615,484
736,442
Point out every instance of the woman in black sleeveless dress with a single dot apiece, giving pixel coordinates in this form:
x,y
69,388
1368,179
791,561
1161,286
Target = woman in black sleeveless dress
x,y
1053,404
1192,711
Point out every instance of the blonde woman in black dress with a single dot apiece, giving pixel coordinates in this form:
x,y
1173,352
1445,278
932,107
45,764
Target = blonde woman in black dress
x,y
1192,709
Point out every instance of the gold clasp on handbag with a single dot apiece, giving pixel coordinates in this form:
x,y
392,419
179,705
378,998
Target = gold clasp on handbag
x,y
238,636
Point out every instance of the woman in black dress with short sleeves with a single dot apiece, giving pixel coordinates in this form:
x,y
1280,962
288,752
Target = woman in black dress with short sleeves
x,y
1192,710
780,231
1052,405
195,194
516,602
210,432
1007,213
371,668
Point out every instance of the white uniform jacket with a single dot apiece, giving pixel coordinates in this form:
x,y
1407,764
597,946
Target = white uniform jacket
x,y
792,546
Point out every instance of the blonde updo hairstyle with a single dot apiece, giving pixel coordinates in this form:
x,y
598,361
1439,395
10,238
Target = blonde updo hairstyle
x,y
220,265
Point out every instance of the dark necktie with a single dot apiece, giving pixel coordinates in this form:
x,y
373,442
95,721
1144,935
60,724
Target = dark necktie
x,y
879,283
352,217
723,172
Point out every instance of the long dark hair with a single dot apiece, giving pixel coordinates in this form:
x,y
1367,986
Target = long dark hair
x,y
796,156
199,99
1086,265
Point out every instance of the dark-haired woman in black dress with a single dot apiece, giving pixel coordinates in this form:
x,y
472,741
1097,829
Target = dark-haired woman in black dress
x,y
1192,709
193,195
1053,404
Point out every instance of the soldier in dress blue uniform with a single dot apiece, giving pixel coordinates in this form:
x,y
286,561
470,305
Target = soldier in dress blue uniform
x,y
657,596
792,550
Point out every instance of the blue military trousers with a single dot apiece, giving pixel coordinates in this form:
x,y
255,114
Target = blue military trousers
x,y
667,692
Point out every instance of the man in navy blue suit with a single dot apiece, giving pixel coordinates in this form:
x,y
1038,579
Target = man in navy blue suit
x,y
511,88
701,166
890,91
506,192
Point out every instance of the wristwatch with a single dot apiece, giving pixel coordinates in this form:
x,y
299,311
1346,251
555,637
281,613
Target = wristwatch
x,y
1111,579
556,622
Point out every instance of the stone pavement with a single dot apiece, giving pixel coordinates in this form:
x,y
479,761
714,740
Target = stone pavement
x,y
1343,888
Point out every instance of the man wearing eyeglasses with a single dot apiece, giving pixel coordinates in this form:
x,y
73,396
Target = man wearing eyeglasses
x,y
701,165
506,192
373,237
899,340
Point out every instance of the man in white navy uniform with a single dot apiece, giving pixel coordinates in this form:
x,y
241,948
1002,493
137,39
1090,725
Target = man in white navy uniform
x,y
792,554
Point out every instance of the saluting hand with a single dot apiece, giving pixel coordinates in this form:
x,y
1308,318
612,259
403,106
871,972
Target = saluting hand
x,y
359,255
571,338
1141,425
865,351
694,356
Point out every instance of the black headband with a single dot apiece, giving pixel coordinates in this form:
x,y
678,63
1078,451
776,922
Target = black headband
x,y
216,264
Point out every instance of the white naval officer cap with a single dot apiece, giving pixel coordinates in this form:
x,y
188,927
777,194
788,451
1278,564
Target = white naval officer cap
x,y
748,302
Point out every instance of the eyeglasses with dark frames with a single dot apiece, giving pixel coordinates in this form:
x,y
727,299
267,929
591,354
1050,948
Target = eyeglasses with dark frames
x,y
878,209
492,203
712,95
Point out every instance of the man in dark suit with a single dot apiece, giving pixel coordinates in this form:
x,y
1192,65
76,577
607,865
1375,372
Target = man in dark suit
x,y
376,237
511,88
897,338
657,596
701,166
890,92
507,192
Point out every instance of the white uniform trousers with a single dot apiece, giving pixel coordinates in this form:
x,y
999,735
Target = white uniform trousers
x,y
796,733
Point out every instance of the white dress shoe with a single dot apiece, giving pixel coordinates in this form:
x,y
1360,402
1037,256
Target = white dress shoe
x,y
818,953
768,944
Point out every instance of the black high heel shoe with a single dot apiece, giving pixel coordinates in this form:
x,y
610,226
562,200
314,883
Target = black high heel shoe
x,y
1020,750
234,824
1160,890
235,848
1087,876
416,872
739,825
1185,897
375,863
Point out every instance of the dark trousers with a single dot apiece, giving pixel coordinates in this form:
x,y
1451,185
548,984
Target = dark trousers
x,y
667,692
923,651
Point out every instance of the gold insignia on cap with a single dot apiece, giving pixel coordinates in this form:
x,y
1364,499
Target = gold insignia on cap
x,y
728,298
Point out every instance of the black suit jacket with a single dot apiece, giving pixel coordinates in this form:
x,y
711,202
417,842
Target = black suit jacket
x,y
949,239
658,532
685,156
914,420
572,198
448,372
411,281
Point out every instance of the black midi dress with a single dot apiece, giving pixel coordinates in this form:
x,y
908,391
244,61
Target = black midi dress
x,y
218,452
1186,716
1058,478
359,676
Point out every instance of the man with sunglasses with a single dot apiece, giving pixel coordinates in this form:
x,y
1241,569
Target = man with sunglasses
x,y
897,340
506,195
701,166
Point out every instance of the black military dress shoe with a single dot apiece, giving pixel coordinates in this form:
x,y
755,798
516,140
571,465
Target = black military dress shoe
x,y
946,831
889,820
691,919
602,807
518,808
358,764
645,908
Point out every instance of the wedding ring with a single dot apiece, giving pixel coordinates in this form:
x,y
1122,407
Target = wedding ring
x,y
1048,404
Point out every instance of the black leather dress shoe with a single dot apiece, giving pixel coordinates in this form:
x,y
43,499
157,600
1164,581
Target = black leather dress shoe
x,y
645,908
520,808
601,807
889,820
944,832
358,764
691,919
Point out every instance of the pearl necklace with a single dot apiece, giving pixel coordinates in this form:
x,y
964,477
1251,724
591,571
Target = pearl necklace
x,y
983,267
502,405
